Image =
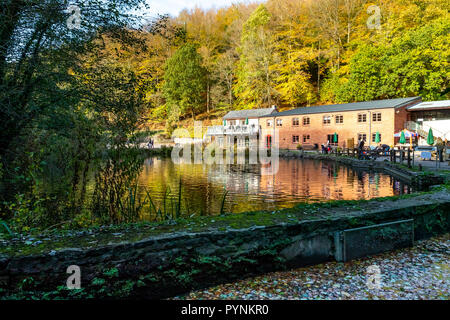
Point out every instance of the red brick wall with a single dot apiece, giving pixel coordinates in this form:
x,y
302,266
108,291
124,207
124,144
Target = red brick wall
x,y
391,120
401,116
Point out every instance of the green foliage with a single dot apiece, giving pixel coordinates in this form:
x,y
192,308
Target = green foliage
x,y
185,81
63,102
416,63
98,282
5,227
111,273
28,213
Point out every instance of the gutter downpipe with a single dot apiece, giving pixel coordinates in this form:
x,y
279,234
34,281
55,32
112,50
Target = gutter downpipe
x,y
273,137
370,128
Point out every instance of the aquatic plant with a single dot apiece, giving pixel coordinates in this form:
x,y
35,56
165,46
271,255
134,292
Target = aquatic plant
x,y
5,227
222,206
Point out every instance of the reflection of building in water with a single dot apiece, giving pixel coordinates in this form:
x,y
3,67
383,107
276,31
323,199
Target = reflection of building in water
x,y
307,180
248,190
236,178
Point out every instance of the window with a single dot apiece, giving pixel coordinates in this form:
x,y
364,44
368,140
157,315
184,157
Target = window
x,y
330,138
376,117
362,117
339,118
374,135
295,122
279,122
306,121
326,119
306,138
362,136
295,139
269,122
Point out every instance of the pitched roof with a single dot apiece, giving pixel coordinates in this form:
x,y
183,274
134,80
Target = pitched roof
x,y
355,106
430,105
249,113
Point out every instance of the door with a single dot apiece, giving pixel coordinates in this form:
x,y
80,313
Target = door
x,y
269,141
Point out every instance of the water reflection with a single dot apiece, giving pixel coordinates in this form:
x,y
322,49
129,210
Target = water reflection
x,y
248,190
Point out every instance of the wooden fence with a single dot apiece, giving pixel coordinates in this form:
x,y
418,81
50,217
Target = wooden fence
x,y
395,156
405,155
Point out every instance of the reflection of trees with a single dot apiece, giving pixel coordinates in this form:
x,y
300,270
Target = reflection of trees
x,y
295,181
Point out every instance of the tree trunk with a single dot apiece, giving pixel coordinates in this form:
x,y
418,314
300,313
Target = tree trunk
x,y
207,95
318,70
348,31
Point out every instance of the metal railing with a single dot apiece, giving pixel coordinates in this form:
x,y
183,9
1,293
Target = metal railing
x,y
215,130
233,130
423,131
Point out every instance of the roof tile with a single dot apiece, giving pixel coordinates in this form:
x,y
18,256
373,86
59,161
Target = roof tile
x,y
249,113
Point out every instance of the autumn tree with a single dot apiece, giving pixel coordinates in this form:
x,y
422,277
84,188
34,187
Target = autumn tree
x,y
294,54
255,78
41,45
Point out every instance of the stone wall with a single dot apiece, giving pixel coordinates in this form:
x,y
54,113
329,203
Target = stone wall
x,y
170,264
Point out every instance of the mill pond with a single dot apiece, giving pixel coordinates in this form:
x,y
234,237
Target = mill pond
x,y
243,188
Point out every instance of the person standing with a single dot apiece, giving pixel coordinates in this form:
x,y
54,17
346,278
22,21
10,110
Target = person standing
x,y
440,149
360,148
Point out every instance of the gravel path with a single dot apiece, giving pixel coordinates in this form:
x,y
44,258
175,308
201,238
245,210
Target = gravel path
x,y
421,272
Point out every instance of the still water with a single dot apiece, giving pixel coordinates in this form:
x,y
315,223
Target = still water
x,y
203,186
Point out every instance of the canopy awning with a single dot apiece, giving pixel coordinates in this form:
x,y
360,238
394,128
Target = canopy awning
x,y
408,134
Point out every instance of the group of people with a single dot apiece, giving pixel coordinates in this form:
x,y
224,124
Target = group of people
x,y
384,149
326,148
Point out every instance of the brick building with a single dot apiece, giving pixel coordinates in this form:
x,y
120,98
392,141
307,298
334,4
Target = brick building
x,y
313,126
